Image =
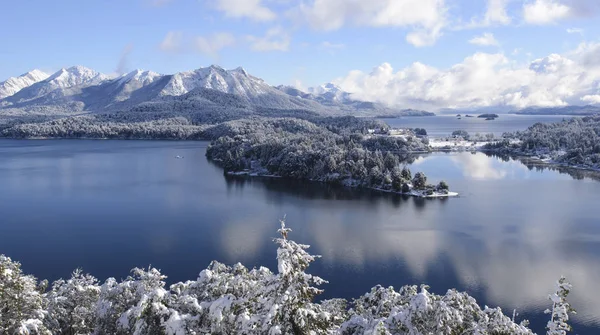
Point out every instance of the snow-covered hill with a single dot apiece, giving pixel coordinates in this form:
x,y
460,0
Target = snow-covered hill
x,y
14,84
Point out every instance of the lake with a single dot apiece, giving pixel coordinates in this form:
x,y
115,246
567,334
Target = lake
x,y
108,206
444,125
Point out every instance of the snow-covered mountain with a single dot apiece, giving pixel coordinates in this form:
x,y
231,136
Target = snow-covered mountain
x,y
52,90
14,84
238,82
330,93
333,96
125,91
81,89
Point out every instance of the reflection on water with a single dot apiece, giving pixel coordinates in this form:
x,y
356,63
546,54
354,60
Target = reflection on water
x,y
109,206
317,190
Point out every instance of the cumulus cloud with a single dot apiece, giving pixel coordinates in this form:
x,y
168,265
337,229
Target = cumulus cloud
x,y
211,45
487,39
496,12
276,39
426,18
545,11
252,9
591,99
483,80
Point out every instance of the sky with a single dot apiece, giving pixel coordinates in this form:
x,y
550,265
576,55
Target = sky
x,y
415,53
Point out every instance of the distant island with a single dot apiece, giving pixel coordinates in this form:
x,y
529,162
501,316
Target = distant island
x,y
488,116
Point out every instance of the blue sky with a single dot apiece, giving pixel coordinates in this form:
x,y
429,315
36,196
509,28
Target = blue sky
x,y
301,42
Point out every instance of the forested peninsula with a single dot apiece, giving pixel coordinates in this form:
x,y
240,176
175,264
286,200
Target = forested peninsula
x,y
574,142
332,150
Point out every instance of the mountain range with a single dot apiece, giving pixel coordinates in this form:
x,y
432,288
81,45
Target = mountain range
x,y
80,89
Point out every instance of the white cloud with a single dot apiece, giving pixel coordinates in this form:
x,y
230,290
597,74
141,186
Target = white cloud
x,y
424,37
487,39
591,98
545,11
426,18
252,9
276,39
483,80
172,42
575,31
211,45
496,12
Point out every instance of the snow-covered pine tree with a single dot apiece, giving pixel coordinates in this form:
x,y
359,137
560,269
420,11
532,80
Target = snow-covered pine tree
x,y
21,301
71,304
138,305
412,311
150,311
223,300
560,309
288,306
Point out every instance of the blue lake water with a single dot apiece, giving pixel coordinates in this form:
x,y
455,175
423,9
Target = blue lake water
x,y
108,206
444,125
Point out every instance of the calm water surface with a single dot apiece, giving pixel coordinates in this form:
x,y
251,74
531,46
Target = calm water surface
x,y
444,125
108,206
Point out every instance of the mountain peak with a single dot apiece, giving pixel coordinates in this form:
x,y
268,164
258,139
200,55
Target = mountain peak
x,y
139,75
81,70
216,67
14,84
35,73
326,88
241,70
75,73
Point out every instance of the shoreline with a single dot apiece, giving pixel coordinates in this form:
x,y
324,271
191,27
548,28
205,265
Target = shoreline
x,y
412,193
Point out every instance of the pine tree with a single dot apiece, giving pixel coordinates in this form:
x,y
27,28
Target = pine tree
x,y
560,309
21,301
289,307
71,304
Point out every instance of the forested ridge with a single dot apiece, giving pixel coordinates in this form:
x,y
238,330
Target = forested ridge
x,y
574,142
237,300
